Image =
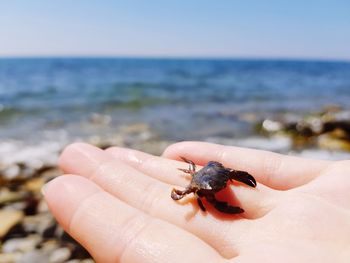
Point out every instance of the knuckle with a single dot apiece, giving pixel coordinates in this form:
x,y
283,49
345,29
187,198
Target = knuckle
x,y
271,166
150,197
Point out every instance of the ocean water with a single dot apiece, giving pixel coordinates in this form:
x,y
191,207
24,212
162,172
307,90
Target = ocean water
x,y
180,99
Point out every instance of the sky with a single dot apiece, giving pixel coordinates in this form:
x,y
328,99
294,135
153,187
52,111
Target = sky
x,y
298,29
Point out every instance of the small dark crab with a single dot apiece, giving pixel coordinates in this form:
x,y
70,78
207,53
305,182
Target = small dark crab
x,y
209,180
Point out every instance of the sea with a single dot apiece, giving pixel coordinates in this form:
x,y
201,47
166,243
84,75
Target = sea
x,y
180,99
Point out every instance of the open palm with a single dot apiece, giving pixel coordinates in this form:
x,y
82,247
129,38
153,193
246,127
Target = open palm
x,y
117,204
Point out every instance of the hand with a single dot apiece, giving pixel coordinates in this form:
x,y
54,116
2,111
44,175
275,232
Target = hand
x,y
117,204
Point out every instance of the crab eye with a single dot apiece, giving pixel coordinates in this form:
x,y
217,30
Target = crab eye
x,y
213,164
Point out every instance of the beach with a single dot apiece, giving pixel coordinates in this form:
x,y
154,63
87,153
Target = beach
x,y
298,108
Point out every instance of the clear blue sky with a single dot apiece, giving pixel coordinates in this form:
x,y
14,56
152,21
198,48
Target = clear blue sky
x,y
195,28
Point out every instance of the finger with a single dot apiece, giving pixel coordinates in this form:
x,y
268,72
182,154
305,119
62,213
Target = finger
x,y
162,169
256,202
153,197
113,231
274,170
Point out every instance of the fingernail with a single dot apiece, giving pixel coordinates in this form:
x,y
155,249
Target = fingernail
x,y
44,189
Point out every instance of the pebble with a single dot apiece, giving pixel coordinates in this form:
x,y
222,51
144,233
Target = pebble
x,y
75,261
8,219
271,126
49,174
10,257
11,172
34,184
39,223
60,255
100,119
7,196
34,256
42,207
34,157
49,246
21,244
329,142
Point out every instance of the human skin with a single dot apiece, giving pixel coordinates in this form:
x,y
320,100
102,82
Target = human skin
x,y
117,204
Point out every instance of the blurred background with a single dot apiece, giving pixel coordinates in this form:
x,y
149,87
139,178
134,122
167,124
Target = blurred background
x,y
272,75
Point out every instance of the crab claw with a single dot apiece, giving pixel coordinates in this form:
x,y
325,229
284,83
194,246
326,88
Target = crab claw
x,y
243,177
176,194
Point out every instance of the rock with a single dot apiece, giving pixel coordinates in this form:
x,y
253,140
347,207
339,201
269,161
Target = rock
x,y
21,244
100,119
329,129
77,250
16,206
31,205
331,142
271,126
50,230
106,141
8,219
42,207
28,205
7,196
34,256
87,260
10,257
76,261
35,184
28,158
49,174
49,246
314,123
136,133
11,172
341,127
60,255
135,128
39,223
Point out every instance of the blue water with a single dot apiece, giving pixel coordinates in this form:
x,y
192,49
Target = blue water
x,y
180,99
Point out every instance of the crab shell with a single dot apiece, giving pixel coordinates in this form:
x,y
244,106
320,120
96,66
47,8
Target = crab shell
x,y
211,178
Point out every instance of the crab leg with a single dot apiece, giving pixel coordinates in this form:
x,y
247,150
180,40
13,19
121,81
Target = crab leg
x,y
223,207
200,203
178,194
242,177
192,165
186,171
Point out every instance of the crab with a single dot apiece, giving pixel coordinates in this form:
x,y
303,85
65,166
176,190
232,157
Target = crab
x,y
209,180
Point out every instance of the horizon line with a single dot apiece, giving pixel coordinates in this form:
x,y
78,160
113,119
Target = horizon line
x,y
175,57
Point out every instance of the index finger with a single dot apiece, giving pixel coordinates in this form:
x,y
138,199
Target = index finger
x,y
277,171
